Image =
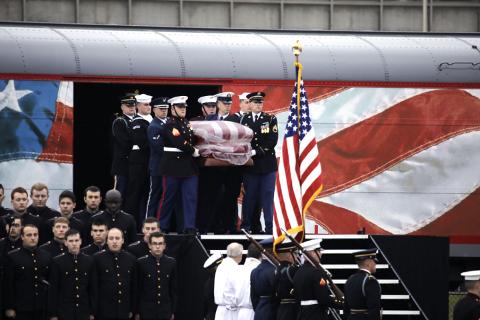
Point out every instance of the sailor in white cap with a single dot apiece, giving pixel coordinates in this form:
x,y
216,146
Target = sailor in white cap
x,y
362,290
224,104
244,109
210,266
138,181
178,168
208,106
468,308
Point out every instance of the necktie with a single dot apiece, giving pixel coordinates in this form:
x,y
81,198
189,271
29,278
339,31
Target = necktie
x,y
256,118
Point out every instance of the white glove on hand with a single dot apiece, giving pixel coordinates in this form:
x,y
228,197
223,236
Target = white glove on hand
x,y
196,153
253,152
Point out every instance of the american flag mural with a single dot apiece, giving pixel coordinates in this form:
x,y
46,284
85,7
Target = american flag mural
x,y
36,135
394,160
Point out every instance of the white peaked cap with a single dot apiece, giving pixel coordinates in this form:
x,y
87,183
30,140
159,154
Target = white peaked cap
x,y
207,99
312,244
212,259
471,275
243,96
225,94
143,98
178,100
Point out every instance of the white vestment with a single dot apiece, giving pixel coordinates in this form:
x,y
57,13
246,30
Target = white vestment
x,y
245,309
224,290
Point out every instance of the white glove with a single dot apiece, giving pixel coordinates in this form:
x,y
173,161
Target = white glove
x,y
253,152
196,153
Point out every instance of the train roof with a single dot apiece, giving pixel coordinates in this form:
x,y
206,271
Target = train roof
x,y
86,51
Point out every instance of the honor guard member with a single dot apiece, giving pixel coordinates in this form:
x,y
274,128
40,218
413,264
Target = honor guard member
x,y
468,308
56,246
122,144
259,179
262,287
92,198
40,194
138,160
141,247
116,218
178,167
19,201
311,287
242,294
155,140
209,107
244,109
72,293
288,306
209,305
225,285
66,203
224,104
362,290
26,277
98,233
209,179
116,279
157,282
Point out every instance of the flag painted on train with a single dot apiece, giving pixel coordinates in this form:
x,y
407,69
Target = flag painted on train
x,y
36,134
299,170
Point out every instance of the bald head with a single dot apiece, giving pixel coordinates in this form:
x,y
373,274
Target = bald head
x,y
113,195
113,201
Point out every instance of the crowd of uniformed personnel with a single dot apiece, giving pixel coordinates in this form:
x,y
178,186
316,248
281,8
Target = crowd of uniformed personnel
x,y
157,167
81,265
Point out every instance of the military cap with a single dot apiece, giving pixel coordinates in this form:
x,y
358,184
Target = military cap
x,y
128,99
178,100
267,243
207,99
243,96
256,96
471,275
285,246
311,245
143,98
366,254
213,260
161,102
225,97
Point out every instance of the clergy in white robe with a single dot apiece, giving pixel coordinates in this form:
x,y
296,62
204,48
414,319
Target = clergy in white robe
x,y
245,309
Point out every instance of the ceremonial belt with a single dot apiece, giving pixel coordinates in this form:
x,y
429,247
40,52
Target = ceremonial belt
x,y
287,301
358,311
135,147
308,302
170,149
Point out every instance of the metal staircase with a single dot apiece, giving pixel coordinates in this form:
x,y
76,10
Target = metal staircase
x,y
337,257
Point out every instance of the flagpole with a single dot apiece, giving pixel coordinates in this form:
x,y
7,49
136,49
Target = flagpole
x,y
297,49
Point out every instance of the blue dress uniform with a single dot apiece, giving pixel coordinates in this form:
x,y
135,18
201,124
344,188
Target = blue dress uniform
x,y
259,179
26,277
116,284
180,171
155,140
288,305
72,294
363,292
262,291
157,287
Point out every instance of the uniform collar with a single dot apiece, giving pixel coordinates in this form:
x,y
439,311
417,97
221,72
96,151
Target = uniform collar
x,y
147,117
365,270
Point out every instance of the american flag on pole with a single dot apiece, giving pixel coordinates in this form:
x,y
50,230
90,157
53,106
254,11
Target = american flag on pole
x,y
299,171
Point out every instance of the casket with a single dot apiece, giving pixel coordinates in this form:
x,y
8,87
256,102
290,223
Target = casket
x,y
223,143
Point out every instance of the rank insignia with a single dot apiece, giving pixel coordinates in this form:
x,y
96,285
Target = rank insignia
x,y
275,129
323,282
175,132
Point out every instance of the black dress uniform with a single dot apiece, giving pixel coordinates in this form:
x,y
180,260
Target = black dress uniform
x,y
138,249
73,223
468,308
288,305
311,290
157,287
116,279
45,214
122,221
72,294
6,245
122,145
262,291
54,248
138,174
27,284
85,217
362,297
92,248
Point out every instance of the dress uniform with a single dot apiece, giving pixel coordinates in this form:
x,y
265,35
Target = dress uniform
x,y
209,305
73,223
44,214
27,284
54,247
157,287
155,140
311,288
122,145
179,169
259,179
85,217
92,248
468,308
363,291
120,220
72,294
116,279
262,288
288,306
138,249
138,159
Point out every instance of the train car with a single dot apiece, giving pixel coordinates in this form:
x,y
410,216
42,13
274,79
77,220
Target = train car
x,y
397,116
